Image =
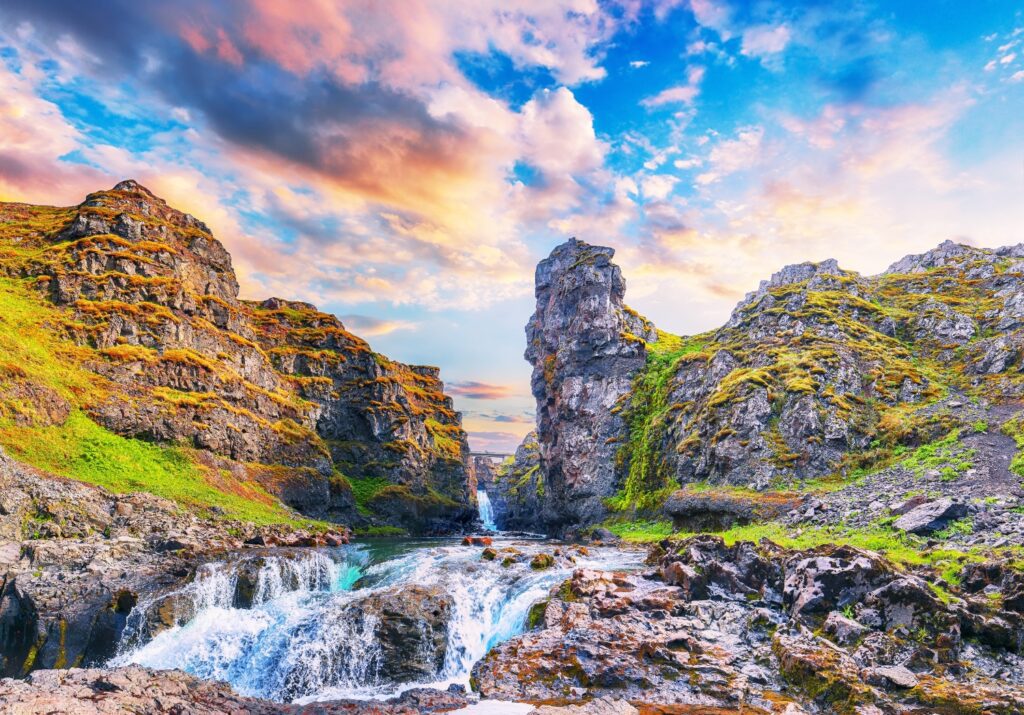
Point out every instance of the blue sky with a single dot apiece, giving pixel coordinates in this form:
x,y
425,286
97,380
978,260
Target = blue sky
x,y
406,164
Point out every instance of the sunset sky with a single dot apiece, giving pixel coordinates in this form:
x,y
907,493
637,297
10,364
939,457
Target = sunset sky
x,y
405,163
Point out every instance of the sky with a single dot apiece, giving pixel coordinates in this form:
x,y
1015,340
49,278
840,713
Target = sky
x,y
404,164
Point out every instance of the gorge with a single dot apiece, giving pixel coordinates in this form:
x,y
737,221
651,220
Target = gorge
x,y
814,508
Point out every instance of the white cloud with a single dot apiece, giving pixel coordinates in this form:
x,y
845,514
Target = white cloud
x,y
679,94
658,186
764,40
733,155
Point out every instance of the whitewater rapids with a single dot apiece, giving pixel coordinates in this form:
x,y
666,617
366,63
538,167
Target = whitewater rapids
x,y
298,641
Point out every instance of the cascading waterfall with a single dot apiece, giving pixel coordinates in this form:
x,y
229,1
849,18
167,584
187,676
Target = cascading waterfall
x,y
486,509
309,630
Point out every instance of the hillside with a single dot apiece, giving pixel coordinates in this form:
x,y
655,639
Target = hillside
x,y
128,360
821,384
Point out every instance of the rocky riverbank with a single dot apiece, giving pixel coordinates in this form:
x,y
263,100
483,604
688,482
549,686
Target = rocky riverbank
x,y
705,628
138,690
827,630
75,560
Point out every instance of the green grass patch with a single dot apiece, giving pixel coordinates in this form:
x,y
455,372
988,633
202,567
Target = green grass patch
x,y
364,489
83,450
378,531
640,532
944,455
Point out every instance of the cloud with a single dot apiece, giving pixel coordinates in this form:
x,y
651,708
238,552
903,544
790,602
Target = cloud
x,y
480,390
355,130
732,155
33,135
764,40
637,64
367,326
679,94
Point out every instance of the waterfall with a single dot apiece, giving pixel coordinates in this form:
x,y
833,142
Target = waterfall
x,y
483,504
309,626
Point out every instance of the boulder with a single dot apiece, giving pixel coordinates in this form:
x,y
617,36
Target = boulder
x,y
932,516
843,630
835,578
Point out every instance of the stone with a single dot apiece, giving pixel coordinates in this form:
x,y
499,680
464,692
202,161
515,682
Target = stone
x,y
604,535
843,630
133,689
931,516
891,676
585,347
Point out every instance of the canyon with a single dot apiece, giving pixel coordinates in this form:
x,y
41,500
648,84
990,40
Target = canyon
x,y
816,507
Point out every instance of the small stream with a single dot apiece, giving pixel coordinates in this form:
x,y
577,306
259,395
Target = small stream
x,y
306,636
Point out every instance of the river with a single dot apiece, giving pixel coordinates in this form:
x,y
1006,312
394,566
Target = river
x,y
306,636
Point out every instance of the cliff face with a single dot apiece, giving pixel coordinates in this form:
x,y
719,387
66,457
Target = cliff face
x,y
819,372
518,489
585,347
291,400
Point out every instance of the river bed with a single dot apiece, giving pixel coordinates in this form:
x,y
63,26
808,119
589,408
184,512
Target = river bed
x,y
306,636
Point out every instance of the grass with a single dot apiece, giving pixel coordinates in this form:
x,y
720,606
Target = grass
x,y
943,455
902,549
640,532
364,489
83,450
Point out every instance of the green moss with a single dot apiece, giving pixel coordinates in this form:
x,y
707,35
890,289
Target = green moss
x,y
647,483
379,531
944,455
535,617
364,489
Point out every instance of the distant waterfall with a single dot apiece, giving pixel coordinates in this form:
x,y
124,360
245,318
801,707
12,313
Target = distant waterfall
x,y
483,503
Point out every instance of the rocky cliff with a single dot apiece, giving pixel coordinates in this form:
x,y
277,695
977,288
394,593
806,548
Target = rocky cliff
x,y
820,372
585,347
271,397
518,489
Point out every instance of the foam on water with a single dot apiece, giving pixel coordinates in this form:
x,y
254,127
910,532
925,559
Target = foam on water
x,y
305,639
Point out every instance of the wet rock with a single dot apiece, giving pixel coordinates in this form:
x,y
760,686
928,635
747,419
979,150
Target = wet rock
x,y
542,561
411,627
931,517
836,578
601,706
604,536
713,634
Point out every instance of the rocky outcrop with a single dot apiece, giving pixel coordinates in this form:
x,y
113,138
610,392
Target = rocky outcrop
x,y
171,692
585,347
299,405
756,627
819,372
